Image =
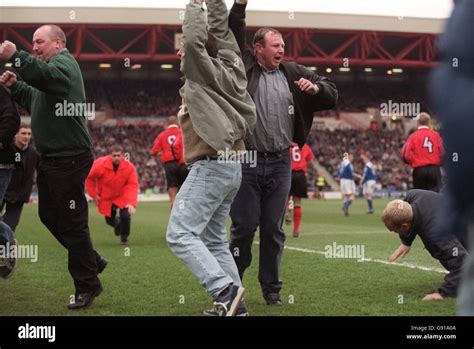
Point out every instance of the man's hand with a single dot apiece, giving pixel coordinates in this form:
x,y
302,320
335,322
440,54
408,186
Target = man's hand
x,y
7,49
399,252
432,297
131,209
8,79
307,86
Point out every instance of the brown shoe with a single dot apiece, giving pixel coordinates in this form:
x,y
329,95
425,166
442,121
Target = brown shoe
x,y
83,300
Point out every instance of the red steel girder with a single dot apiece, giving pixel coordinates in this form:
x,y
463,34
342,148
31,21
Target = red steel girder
x,y
306,46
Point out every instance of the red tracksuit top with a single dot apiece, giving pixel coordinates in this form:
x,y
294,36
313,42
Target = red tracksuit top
x,y
424,147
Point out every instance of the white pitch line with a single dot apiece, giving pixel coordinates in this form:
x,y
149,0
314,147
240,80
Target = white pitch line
x,y
374,260
352,232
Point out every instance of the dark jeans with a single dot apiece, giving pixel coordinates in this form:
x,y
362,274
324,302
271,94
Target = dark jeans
x,y
64,211
12,214
261,202
455,265
123,224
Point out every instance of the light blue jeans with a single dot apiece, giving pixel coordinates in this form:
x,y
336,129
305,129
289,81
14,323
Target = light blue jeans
x,y
197,231
6,234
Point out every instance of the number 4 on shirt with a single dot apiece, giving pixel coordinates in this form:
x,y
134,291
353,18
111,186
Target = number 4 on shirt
x,y
427,144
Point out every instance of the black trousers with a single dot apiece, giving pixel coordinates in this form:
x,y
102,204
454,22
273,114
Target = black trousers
x,y
12,214
427,177
453,258
261,201
64,211
123,224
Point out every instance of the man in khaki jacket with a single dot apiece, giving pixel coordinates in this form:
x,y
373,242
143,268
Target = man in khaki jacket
x,y
216,114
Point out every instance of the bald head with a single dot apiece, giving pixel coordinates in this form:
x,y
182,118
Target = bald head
x,y
48,40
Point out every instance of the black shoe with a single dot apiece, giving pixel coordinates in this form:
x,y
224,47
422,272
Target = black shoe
x,y
83,300
272,298
101,264
241,310
124,242
370,212
296,235
7,265
228,301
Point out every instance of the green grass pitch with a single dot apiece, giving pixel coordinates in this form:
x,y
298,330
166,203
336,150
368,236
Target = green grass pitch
x,y
148,279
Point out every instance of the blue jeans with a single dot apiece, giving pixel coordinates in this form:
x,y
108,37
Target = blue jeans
x,y
197,231
6,234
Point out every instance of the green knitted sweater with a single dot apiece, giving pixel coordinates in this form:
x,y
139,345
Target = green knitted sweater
x,y
53,93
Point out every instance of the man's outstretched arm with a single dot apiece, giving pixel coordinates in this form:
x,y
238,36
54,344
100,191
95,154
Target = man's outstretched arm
x,y
219,26
196,64
237,22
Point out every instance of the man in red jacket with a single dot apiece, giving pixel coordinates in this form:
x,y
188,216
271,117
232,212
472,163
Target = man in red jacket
x,y
113,184
424,152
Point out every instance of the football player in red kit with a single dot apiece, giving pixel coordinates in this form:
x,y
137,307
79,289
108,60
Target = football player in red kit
x,y
424,152
169,144
300,158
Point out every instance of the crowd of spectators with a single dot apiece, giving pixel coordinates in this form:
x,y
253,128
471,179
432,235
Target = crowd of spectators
x,y
328,147
149,98
135,97
361,96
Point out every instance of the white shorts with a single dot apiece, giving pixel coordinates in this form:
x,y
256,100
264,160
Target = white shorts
x,y
348,186
369,187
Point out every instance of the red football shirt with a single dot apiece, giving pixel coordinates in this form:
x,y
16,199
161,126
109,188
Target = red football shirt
x,y
424,147
164,144
178,148
300,157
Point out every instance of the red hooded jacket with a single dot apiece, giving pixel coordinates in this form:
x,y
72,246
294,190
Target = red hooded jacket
x,y
119,188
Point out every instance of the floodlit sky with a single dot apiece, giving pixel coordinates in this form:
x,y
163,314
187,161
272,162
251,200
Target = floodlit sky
x,y
406,8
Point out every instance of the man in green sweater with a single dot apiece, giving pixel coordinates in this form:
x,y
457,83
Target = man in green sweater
x,y
52,90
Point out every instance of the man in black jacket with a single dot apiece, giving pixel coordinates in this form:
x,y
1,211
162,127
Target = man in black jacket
x,y
417,215
9,123
286,95
26,164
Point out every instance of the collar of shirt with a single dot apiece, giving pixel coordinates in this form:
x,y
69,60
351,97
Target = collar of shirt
x,y
171,126
59,52
265,70
423,127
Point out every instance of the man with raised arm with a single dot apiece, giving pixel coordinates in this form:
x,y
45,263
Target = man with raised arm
x,y
286,95
216,114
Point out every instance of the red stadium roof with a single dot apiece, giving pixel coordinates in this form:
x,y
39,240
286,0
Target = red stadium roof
x,y
157,43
